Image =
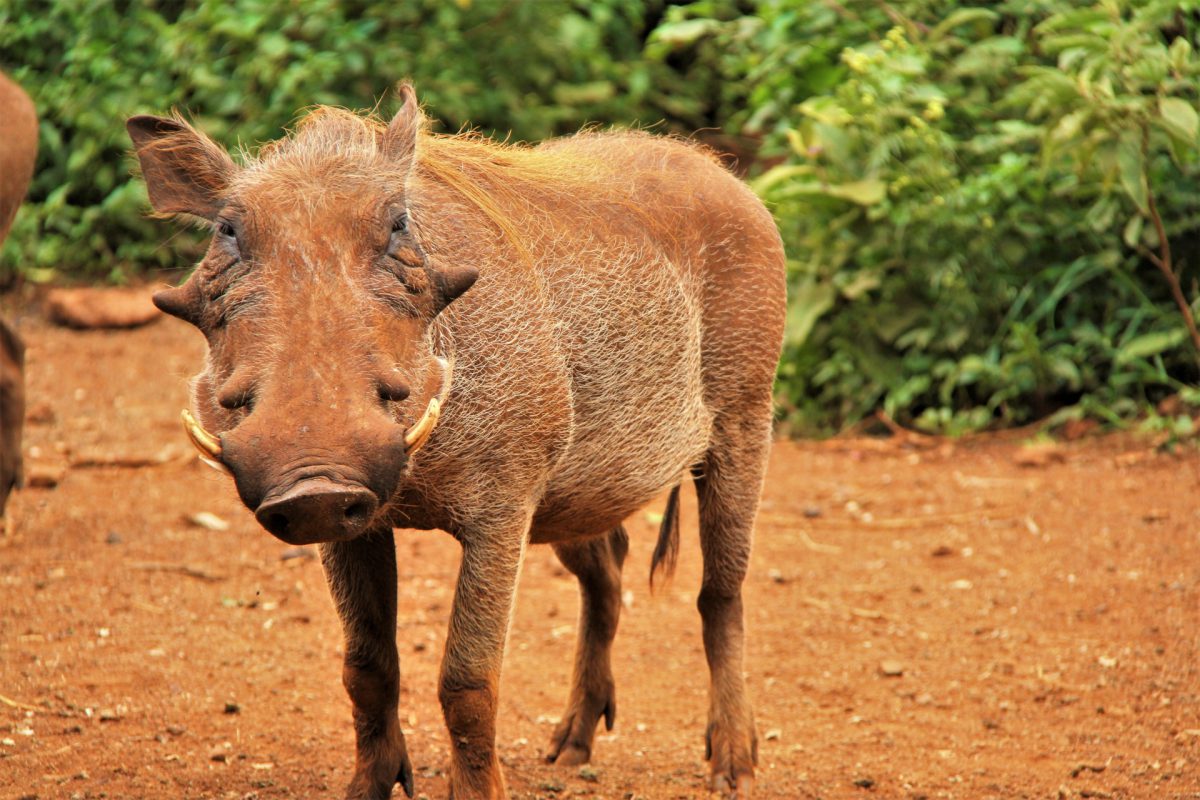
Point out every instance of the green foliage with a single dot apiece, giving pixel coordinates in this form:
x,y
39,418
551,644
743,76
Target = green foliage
x,y
964,194
985,205
246,67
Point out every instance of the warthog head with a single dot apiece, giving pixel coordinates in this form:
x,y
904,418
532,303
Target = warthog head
x,y
317,298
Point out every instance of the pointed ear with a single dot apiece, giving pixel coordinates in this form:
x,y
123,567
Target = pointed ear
x,y
400,138
450,283
185,171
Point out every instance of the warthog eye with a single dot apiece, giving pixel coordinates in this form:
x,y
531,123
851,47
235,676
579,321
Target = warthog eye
x,y
401,246
228,233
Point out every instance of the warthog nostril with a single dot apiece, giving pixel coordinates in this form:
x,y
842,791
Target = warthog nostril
x,y
233,402
276,524
392,389
360,511
318,510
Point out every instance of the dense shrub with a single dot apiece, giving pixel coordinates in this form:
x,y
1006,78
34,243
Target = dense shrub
x,y
984,205
246,67
965,198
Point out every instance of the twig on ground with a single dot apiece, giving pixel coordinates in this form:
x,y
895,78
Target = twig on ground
x,y
8,701
817,547
183,569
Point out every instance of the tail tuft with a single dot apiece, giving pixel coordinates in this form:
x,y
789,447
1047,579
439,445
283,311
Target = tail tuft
x,y
666,550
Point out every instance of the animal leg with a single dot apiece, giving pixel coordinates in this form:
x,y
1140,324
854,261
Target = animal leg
x,y
470,678
728,485
596,562
362,578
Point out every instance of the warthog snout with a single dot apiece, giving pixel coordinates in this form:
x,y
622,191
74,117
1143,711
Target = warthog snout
x,y
308,483
318,510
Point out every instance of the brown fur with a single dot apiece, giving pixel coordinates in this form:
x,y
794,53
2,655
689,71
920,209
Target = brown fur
x,y
18,150
12,410
623,331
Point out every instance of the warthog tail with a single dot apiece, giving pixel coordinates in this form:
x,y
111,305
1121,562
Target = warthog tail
x,y
666,550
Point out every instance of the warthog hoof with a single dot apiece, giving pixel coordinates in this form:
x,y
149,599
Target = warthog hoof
x,y
571,743
733,752
486,786
374,779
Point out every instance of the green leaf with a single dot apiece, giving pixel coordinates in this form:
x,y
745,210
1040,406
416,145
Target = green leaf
x,y
1132,170
583,93
963,16
681,34
1133,230
1151,344
763,184
1181,52
806,304
1069,126
827,110
866,192
1181,119
861,283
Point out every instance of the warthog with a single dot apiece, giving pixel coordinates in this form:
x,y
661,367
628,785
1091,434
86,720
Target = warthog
x,y
622,332
12,410
18,150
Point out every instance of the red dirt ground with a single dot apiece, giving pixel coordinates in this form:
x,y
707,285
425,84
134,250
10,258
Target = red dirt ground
x,y
1044,619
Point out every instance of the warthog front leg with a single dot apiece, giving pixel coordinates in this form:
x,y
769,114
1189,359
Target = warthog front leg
x,y
470,679
362,578
728,486
596,562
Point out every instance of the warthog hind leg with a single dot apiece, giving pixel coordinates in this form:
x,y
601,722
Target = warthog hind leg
x,y
362,578
728,484
596,562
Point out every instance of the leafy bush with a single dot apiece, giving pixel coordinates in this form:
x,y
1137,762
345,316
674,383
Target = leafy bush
x,y
246,67
990,209
964,195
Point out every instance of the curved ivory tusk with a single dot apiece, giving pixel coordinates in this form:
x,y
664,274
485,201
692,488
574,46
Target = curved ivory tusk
x,y
208,445
418,434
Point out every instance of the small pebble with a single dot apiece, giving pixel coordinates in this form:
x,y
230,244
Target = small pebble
x,y
232,708
109,715
43,476
112,538
891,668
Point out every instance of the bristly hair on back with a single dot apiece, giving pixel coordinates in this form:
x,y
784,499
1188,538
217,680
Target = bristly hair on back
x,y
500,179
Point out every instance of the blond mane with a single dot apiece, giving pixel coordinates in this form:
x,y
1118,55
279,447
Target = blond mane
x,y
504,181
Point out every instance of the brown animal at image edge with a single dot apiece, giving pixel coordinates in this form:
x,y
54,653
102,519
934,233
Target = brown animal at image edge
x,y
512,344
18,150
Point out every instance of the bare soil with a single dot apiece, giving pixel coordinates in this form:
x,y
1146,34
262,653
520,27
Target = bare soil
x,y
925,618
